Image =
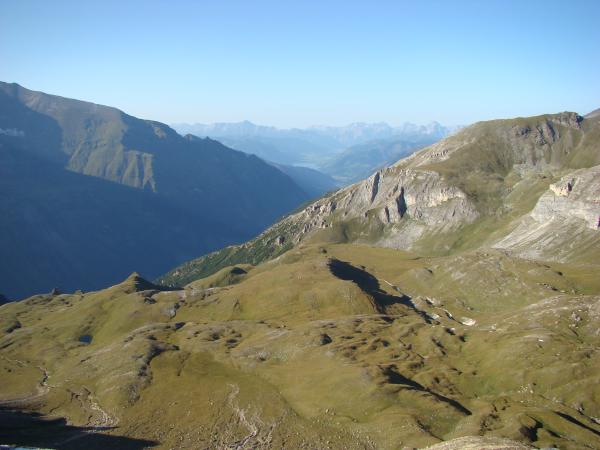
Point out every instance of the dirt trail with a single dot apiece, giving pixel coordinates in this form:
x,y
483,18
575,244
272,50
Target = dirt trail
x,y
253,440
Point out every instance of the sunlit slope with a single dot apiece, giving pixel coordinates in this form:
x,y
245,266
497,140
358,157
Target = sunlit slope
x,y
345,346
470,190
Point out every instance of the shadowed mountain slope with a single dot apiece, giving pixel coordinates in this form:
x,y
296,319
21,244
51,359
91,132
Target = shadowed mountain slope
x,y
91,194
66,230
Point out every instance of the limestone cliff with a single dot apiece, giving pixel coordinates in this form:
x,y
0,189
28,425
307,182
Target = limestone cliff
x,y
405,201
564,223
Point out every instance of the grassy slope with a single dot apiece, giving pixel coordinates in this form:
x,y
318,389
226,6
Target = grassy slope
x,y
293,355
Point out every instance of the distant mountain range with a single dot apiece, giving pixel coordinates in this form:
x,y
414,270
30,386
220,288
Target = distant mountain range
x,y
90,193
360,133
346,153
333,138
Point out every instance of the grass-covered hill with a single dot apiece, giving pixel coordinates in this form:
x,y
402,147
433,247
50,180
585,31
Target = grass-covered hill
x,y
91,193
329,346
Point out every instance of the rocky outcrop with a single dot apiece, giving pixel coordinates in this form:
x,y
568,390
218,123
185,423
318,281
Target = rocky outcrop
x,y
415,200
400,204
575,196
564,222
479,443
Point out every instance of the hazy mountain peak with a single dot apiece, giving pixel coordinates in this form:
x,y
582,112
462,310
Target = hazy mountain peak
x,y
136,283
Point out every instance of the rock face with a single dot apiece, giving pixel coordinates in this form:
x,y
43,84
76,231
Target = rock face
x,y
576,196
392,208
565,221
411,201
425,192
479,443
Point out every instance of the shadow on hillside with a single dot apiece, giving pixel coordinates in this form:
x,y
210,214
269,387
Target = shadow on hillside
x,y
577,422
369,285
32,429
394,377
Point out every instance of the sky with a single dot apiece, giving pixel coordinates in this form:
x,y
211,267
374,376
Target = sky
x,y
300,63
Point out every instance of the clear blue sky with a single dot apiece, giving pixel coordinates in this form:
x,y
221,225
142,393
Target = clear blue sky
x,y
297,63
